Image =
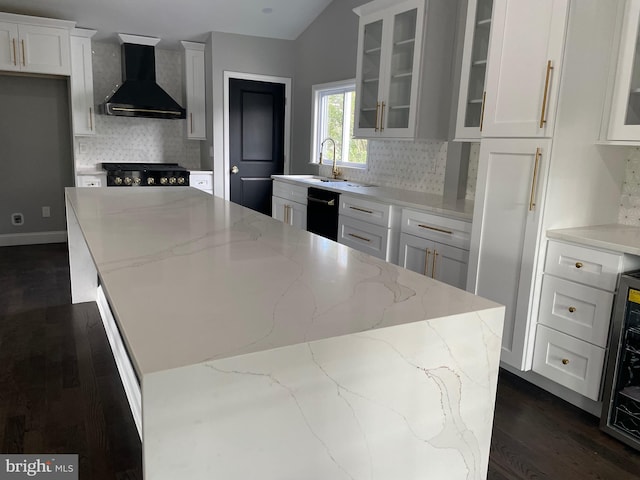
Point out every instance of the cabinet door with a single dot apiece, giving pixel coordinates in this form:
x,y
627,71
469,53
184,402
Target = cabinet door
x,y
45,49
195,93
624,122
9,58
279,207
416,254
474,69
449,265
82,86
505,234
298,215
523,75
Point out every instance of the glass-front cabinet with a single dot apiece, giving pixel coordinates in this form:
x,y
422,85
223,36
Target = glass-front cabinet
x,y
474,69
389,46
624,120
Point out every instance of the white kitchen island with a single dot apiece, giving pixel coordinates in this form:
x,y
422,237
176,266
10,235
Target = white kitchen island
x,y
266,352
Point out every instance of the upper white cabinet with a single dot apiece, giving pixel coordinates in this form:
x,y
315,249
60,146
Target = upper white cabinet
x,y
474,68
34,45
396,43
523,74
194,90
624,119
82,82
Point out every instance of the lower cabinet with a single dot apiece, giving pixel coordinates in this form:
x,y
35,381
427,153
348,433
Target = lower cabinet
x,y
289,204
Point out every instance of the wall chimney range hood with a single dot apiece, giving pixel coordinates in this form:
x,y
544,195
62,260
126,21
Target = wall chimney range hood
x,y
140,95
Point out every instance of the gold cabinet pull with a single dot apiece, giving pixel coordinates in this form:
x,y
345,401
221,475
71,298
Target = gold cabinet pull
x,y
284,210
572,309
433,265
382,118
377,110
361,210
24,56
191,122
484,97
359,237
15,57
426,261
534,181
545,96
429,227
579,265
565,361
91,119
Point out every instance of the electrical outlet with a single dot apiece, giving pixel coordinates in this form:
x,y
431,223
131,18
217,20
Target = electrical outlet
x,y
82,148
46,212
17,219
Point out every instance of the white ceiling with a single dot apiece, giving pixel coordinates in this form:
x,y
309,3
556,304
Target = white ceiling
x,y
174,20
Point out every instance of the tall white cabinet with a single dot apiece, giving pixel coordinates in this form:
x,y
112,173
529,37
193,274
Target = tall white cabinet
x,y
82,82
194,90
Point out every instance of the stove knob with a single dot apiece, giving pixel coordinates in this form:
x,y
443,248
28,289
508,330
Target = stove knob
x,y
151,181
128,181
136,181
172,181
117,181
164,180
180,180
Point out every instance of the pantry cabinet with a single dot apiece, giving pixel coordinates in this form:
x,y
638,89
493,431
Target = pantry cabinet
x,y
523,73
395,45
194,90
34,45
81,81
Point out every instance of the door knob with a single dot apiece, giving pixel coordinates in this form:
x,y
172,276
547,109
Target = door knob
x,y
234,169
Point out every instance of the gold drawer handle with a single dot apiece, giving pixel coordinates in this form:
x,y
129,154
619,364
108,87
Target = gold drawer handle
x,y
359,237
428,227
534,181
24,56
543,113
426,261
565,361
572,309
484,97
433,264
361,210
377,112
579,265
15,57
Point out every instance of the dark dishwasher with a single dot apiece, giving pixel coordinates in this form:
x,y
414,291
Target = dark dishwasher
x,y
322,212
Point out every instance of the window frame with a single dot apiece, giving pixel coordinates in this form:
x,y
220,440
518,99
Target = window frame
x,y
317,91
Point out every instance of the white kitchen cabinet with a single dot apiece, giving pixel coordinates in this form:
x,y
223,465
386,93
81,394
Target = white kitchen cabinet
x,y
34,44
194,90
396,43
474,69
289,204
523,75
202,180
83,110
506,234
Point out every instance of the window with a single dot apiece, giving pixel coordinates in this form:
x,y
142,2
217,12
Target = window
x,y
334,107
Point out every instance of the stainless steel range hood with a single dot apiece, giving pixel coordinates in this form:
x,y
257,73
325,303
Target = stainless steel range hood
x,y
140,95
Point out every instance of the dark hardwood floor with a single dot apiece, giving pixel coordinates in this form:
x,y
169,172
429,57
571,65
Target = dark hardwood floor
x,y
60,392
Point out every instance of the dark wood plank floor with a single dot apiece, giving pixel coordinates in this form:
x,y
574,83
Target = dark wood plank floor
x,y
60,392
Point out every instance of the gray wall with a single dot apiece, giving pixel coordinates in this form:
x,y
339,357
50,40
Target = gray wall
x,y
325,52
35,152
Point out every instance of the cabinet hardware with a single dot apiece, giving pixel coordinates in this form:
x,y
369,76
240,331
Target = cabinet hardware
x,y
428,227
433,265
91,118
361,210
15,57
359,237
579,265
565,361
24,57
377,110
234,170
382,118
534,181
191,122
426,261
572,309
545,96
331,203
484,97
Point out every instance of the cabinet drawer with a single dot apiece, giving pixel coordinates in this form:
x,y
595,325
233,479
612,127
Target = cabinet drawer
x,y
363,236
201,181
568,361
441,229
288,191
578,310
585,265
367,210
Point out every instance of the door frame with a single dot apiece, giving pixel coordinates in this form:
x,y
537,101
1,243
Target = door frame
x,y
223,166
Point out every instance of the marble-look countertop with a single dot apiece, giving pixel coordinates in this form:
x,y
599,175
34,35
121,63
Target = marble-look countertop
x,y
615,237
460,209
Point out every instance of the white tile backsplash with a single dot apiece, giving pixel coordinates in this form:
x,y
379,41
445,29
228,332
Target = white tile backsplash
x,y
125,139
629,212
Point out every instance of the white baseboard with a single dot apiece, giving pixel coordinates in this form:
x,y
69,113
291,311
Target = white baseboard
x,y
11,239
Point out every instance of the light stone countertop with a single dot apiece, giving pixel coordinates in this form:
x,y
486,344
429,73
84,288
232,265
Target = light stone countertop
x,y
193,278
460,209
614,237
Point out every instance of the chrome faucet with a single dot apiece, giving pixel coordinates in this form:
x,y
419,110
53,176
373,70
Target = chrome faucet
x,y
334,171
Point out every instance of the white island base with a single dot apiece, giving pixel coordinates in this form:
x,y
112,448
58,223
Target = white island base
x,y
330,365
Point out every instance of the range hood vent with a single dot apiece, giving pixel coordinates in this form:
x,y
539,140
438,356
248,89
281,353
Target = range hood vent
x,y
140,95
